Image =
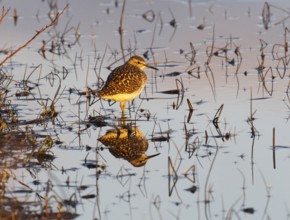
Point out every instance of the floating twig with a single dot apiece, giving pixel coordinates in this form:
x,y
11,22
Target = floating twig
x,y
215,121
274,149
190,110
149,16
172,177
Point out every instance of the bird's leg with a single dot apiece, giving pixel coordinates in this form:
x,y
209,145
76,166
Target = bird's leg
x,y
123,106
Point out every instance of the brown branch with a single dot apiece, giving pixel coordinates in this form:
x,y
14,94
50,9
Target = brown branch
x,y
52,23
4,13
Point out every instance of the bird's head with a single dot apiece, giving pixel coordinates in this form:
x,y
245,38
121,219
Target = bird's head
x,y
142,160
140,63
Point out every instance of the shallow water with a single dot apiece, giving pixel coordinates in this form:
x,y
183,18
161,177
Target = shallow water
x,y
200,173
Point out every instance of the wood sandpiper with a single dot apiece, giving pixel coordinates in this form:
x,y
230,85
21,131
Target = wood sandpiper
x,y
125,82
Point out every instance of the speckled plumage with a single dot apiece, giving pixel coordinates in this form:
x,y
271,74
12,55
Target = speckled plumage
x,y
127,143
125,82
123,145
126,79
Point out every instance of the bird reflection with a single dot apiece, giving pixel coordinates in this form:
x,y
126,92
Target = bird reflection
x,y
129,143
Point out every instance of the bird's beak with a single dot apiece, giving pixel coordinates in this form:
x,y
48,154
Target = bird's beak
x,y
154,155
151,67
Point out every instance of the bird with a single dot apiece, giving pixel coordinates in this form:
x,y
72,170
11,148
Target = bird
x,y
125,82
128,143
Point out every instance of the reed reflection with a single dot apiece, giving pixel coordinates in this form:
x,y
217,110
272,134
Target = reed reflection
x,y
127,142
